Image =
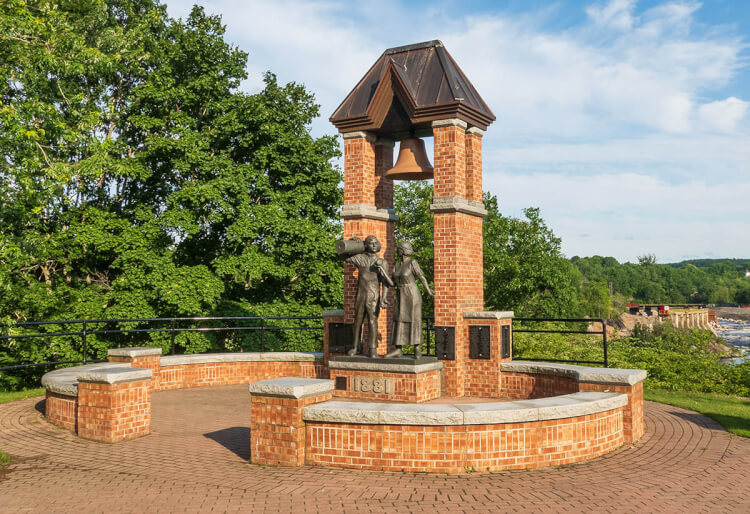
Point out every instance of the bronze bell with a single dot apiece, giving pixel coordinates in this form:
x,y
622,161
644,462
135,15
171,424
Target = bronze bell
x,y
412,162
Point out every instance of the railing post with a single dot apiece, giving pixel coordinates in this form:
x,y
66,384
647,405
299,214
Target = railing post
x,y
85,348
171,332
262,334
604,340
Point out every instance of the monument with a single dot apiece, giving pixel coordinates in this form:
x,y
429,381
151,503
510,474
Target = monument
x,y
413,92
528,414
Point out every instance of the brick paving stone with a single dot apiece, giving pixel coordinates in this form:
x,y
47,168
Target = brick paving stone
x,y
196,460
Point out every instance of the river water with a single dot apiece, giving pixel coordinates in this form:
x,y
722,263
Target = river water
x,y
736,333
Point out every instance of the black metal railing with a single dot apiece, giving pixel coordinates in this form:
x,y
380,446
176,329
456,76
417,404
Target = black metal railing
x,y
260,325
602,332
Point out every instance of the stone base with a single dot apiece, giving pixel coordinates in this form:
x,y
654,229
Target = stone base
x,y
402,379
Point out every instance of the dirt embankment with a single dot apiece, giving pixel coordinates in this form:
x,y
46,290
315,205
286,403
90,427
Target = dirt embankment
x,y
734,313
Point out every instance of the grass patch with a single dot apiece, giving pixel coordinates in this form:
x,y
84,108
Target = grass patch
x,y
731,412
11,396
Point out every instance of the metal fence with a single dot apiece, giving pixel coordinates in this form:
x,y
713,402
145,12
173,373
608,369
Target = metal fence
x,y
602,332
93,327
260,325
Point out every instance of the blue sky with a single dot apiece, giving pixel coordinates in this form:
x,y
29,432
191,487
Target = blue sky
x,y
627,122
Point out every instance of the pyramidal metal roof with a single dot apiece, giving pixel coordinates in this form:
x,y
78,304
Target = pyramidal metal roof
x,y
407,88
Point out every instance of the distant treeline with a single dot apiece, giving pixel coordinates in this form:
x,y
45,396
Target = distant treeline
x,y
693,281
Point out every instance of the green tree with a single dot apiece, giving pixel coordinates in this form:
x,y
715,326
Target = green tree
x,y
137,180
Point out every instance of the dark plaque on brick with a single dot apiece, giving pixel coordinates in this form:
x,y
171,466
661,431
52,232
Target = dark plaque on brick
x,y
479,342
339,337
341,383
505,341
445,343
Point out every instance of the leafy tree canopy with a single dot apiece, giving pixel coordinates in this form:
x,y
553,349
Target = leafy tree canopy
x,y
137,180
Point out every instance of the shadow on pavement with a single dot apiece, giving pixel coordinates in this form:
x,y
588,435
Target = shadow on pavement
x,y
234,439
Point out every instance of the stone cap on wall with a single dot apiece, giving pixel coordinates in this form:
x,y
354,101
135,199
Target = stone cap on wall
x,y
65,381
291,387
139,351
114,375
586,374
382,366
541,409
205,358
337,313
488,315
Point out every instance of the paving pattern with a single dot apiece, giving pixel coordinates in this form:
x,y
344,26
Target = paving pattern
x,y
196,460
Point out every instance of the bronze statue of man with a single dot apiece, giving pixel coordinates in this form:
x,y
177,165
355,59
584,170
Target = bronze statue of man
x,y
373,272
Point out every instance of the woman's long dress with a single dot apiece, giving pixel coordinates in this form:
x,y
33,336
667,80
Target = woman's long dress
x,y
407,328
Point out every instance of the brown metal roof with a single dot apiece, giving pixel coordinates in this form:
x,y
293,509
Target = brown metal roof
x,y
407,88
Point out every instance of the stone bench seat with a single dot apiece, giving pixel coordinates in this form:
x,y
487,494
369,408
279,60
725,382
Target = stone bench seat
x,y
541,409
64,381
209,358
586,374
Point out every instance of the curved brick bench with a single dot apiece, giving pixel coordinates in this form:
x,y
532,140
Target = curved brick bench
x,y
563,414
65,404
458,437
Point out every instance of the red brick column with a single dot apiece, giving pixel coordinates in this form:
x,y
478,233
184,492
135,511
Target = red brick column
x,y
483,376
368,210
140,357
114,404
459,281
277,432
473,152
632,415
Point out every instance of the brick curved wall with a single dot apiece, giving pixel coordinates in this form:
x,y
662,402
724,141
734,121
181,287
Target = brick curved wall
x,y
229,373
456,449
61,410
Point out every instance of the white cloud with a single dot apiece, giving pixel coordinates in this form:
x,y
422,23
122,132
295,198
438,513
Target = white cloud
x,y
613,126
616,14
723,115
629,214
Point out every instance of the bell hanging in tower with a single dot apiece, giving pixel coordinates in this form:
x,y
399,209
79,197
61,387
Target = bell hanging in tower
x,y
412,162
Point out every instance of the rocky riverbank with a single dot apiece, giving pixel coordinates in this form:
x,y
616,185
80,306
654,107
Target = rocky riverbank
x,y
733,313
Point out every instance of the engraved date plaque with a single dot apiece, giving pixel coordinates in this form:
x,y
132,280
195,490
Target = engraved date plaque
x,y
375,385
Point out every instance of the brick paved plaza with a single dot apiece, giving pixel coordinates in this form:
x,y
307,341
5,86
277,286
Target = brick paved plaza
x,y
195,460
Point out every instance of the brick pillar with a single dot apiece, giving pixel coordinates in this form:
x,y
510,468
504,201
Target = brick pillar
x,y
483,373
277,432
140,357
474,164
114,404
459,281
368,210
632,416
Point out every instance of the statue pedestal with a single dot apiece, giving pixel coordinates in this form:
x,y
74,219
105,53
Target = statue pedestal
x,y
402,379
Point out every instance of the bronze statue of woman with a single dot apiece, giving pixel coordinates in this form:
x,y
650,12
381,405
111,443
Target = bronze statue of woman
x,y
407,327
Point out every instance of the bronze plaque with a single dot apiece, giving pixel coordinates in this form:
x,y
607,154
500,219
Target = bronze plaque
x,y
505,341
341,383
479,342
445,343
339,337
